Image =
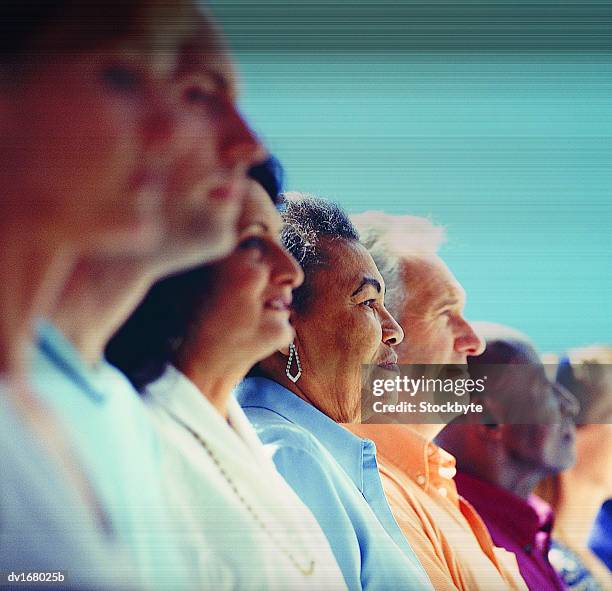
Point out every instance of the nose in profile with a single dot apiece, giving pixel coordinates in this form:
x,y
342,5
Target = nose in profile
x,y
286,270
238,144
467,341
160,124
393,333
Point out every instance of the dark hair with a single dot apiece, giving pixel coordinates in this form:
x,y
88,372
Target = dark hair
x,y
88,24
21,21
151,337
307,220
270,175
34,31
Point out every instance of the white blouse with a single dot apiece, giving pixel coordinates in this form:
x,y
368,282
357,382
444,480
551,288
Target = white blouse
x,y
243,527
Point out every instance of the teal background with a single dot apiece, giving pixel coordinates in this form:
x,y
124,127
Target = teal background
x,y
509,148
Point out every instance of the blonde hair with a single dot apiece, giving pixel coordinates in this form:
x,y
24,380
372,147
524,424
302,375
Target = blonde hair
x,y
586,372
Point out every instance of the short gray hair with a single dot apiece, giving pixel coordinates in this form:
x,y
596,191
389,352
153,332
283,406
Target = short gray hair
x,y
388,238
307,220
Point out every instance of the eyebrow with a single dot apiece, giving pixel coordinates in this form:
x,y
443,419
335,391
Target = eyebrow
x,y
202,71
368,281
456,298
446,302
221,82
193,65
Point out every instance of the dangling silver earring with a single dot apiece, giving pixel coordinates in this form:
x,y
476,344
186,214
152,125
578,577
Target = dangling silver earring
x,y
293,352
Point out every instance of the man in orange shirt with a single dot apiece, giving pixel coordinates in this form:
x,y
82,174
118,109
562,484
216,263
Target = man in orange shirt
x,y
446,533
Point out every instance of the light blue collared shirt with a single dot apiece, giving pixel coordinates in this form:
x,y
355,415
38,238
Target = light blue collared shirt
x,y
118,448
335,473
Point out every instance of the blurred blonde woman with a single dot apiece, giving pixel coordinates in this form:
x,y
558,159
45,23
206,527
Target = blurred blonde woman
x,y
577,494
191,340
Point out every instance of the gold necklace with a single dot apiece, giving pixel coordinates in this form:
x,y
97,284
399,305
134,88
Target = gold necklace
x,y
306,571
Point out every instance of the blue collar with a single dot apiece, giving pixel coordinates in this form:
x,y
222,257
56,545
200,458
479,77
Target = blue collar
x,y
349,450
355,455
58,351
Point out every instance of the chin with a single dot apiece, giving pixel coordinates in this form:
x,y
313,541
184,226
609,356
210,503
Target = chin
x,y
275,336
199,248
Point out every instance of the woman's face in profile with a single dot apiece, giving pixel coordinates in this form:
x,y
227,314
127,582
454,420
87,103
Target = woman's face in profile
x,y
344,325
245,310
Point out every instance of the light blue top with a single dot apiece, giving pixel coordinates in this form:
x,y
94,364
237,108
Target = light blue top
x,y
336,475
600,540
44,525
119,450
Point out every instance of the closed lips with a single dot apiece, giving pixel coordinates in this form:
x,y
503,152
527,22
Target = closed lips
x,y
390,361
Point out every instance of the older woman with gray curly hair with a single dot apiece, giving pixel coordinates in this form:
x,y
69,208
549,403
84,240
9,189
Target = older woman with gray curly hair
x,y
297,396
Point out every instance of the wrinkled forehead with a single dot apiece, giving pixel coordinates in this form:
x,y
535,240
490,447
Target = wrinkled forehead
x,y
428,282
346,263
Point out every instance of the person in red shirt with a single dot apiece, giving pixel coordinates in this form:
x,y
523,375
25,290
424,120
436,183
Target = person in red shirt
x,y
526,433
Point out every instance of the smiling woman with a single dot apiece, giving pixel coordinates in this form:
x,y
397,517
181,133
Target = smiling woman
x,y
341,324
244,298
340,319
195,335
